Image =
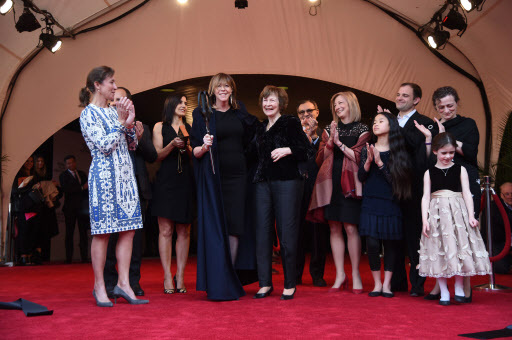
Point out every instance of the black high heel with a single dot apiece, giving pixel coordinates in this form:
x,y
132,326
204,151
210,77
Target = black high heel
x,y
178,290
288,297
101,304
263,295
118,292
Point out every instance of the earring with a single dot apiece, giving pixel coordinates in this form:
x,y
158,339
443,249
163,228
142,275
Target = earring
x,y
231,100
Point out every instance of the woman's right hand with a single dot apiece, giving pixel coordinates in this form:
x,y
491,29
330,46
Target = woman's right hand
x,y
207,141
178,143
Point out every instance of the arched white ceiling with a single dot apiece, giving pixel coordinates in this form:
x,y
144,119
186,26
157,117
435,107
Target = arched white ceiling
x,y
350,42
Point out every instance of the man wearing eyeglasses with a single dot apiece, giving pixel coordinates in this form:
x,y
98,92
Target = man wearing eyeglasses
x,y
307,111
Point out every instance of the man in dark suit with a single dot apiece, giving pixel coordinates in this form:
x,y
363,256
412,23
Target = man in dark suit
x,y
73,183
407,97
317,235
145,153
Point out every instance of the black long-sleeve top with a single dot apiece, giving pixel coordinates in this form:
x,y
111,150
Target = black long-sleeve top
x,y
286,132
465,130
377,181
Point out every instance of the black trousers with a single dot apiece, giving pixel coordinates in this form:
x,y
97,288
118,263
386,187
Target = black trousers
x,y
412,226
110,272
27,233
391,250
71,218
278,205
314,235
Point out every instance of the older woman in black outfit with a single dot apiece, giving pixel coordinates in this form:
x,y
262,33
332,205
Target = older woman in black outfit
x,y
282,149
464,129
221,190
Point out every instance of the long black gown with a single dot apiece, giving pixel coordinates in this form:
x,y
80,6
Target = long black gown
x,y
174,188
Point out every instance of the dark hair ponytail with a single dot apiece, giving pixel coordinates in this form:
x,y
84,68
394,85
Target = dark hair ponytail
x,y
399,163
97,74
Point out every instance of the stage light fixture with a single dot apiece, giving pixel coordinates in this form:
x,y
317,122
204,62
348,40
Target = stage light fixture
x,y
470,5
182,2
313,1
455,21
438,39
49,40
5,6
27,22
241,4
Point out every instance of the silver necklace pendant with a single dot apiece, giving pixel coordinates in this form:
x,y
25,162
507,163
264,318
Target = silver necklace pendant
x,y
445,172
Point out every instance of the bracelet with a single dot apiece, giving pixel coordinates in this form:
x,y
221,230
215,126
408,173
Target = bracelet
x,y
342,147
381,167
428,143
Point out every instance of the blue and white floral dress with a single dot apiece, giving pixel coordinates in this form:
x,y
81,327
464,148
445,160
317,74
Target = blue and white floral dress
x,y
113,195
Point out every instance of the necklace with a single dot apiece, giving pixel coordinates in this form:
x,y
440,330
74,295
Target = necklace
x,y
445,172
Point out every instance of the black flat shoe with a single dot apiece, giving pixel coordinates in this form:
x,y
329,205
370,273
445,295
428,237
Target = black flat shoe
x,y
263,295
288,297
460,298
470,298
444,303
387,295
432,297
375,294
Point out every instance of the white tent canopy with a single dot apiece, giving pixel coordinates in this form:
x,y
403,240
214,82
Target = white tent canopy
x,y
349,42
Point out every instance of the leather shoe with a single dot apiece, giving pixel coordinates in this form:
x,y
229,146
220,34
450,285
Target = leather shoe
x,y
263,295
375,294
432,296
320,282
444,303
288,297
110,292
137,290
387,295
417,292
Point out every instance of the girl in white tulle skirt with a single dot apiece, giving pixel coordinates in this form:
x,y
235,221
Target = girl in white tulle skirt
x,y
451,244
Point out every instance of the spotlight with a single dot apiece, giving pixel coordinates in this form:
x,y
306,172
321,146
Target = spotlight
x,y
241,4
313,1
470,5
455,21
182,2
27,22
438,39
50,41
5,6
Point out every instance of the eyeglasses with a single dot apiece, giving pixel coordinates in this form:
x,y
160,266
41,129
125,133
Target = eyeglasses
x,y
308,111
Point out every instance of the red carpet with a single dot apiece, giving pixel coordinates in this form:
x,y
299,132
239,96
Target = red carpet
x,y
313,313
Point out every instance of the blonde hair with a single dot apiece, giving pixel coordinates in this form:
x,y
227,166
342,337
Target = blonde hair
x,y
353,106
222,78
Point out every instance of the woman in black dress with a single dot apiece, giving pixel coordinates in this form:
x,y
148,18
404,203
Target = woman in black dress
x,y
221,190
338,157
446,102
283,150
173,199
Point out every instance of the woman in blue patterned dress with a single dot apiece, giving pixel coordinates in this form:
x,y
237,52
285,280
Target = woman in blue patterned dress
x,y
113,196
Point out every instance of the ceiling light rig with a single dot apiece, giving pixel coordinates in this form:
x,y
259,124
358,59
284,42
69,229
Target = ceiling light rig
x,y
27,22
470,5
241,4
450,16
6,6
313,10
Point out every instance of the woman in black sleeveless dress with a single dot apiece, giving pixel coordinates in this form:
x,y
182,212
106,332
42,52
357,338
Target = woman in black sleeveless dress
x,y
173,198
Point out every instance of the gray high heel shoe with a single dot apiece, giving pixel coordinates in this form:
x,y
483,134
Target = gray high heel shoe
x,y
118,292
101,304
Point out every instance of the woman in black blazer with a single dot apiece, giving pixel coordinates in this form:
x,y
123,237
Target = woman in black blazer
x,y
282,150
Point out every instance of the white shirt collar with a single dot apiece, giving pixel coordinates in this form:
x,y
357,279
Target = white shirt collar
x,y
403,120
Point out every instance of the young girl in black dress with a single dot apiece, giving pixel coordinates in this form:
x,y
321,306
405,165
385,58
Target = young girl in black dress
x,y
384,171
451,244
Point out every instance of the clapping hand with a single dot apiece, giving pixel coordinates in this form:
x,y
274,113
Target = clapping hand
x,y
376,156
440,126
380,109
426,132
125,112
369,153
333,130
139,129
